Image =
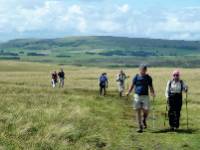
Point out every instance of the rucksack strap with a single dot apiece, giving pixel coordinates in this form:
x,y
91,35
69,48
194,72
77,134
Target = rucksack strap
x,y
170,83
136,76
181,81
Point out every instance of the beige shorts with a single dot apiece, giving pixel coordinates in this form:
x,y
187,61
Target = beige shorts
x,y
141,102
61,80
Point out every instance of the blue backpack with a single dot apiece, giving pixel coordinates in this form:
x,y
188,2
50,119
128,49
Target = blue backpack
x,y
103,80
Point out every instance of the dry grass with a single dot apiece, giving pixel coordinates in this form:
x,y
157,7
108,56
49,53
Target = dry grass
x,y
35,116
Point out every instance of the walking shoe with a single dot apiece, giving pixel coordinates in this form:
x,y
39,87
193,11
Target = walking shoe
x,y
172,129
140,130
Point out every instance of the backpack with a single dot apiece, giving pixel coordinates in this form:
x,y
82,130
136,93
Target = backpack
x,y
61,74
170,83
146,76
121,78
103,80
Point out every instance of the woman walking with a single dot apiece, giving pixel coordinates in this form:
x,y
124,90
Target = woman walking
x,y
174,90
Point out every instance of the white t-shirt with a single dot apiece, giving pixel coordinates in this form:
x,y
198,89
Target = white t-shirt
x,y
121,78
175,87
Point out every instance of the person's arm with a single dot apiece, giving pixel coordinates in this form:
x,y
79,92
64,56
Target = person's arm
x,y
185,88
99,80
106,82
130,89
152,91
126,77
132,86
117,78
167,90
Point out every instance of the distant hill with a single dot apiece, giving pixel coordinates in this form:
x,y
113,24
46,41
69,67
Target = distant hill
x,y
104,51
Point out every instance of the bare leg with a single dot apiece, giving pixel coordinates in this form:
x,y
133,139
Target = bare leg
x,y
62,83
120,94
104,91
139,118
59,83
100,90
145,115
53,84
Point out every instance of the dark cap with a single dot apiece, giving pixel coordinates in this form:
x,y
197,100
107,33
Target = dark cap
x,y
143,66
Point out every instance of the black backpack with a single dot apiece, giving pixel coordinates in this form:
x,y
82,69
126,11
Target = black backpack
x,y
170,83
145,78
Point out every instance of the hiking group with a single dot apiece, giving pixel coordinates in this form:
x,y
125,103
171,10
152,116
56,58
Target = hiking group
x,y
58,77
142,83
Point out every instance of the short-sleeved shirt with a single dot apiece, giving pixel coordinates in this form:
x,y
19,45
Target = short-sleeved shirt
x,y
121,78
61,74
142,84
103,80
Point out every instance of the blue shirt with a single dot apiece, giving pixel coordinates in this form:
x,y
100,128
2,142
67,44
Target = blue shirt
x,y
142,84
103,80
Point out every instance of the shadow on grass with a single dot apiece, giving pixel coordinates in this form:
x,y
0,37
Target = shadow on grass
x,y
180,131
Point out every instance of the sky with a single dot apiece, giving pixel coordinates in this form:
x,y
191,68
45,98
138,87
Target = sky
x,y
165,19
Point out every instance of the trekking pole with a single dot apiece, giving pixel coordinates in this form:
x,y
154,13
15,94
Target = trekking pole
x,y
165,114
186,102
153,111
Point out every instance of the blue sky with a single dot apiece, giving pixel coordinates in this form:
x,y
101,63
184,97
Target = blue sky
x,y
170,19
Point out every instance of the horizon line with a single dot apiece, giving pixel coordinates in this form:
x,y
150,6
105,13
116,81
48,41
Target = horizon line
x,y
79,36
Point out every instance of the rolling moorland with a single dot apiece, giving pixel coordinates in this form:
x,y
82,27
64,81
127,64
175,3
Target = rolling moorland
x,y
104,51
35,116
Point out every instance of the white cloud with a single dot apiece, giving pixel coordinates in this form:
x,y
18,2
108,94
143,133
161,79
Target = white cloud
x,y
108,26
124,8
75,9
58,17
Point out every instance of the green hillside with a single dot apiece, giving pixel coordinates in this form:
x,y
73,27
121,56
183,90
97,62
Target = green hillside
x,y
104,51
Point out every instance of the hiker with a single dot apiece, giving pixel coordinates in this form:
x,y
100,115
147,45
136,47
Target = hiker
x,y
142,82
174,90
54,79
103,84
61,76
121,77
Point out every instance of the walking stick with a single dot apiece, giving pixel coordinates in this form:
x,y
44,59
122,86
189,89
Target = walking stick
x,y
165,114
186,102
128,96
153,111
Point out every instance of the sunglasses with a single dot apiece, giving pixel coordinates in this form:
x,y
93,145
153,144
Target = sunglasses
x,y
176,75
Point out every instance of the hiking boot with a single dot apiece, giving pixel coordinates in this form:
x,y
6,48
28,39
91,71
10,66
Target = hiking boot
x,y
140,130
176,129
172,129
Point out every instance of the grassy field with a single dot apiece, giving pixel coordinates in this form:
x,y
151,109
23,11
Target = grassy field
x,y
35,116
